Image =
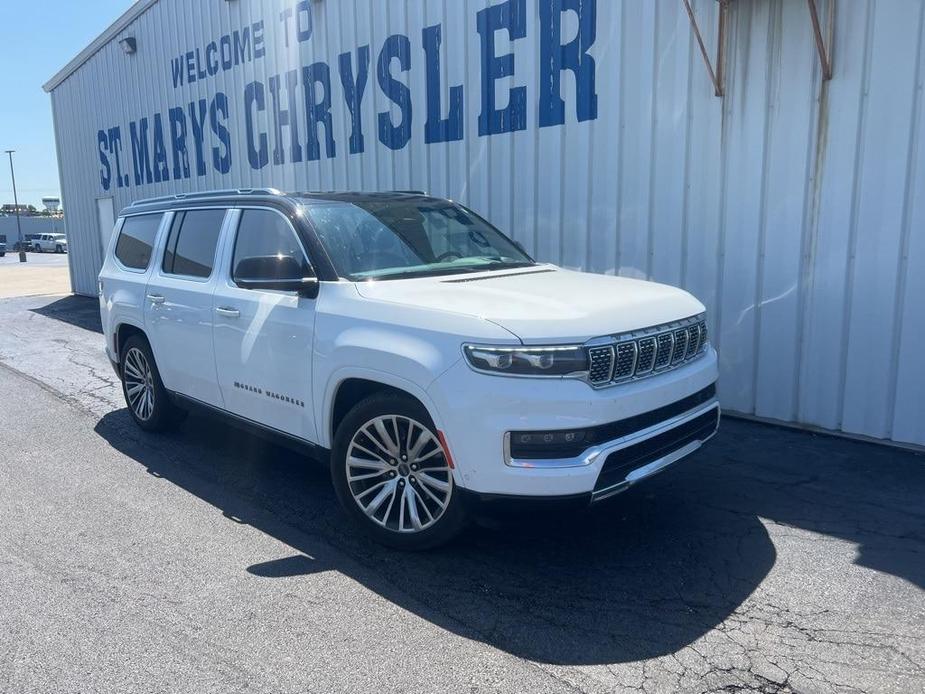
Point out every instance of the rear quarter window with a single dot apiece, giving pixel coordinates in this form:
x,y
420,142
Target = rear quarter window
x,y
136,240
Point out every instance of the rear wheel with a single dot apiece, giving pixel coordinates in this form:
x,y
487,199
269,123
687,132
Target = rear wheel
x,y
392,474
148,401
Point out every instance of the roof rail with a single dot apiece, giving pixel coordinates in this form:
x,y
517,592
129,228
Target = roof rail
x,y
208,194
411,192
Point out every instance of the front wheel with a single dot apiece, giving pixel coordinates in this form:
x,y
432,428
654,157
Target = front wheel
x,y
392,474
59,249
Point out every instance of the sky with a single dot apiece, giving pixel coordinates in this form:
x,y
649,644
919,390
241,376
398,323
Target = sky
x,y
39,38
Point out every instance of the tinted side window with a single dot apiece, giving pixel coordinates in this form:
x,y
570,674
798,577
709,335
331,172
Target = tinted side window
x,y
263,233
136,240
192,242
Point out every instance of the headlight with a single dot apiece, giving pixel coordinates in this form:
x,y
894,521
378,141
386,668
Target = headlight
x,y
559,360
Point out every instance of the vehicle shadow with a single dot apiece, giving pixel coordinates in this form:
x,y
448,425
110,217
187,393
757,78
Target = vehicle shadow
x,y
82,311
641,577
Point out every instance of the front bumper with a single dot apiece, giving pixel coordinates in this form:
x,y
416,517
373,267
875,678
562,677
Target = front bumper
x,y
476,411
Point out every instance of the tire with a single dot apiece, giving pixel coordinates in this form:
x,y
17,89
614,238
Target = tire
x,y
418,494
37,248
151,407
59,249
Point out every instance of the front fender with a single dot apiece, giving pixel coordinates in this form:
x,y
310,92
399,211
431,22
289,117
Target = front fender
x,y
325,405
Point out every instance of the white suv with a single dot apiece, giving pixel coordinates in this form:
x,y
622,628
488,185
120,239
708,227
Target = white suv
x,y
49,243
434,362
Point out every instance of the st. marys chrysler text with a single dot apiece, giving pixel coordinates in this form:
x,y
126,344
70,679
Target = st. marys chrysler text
x,y
434,361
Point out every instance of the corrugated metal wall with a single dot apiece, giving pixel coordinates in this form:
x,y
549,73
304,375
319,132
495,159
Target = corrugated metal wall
x,y
795,208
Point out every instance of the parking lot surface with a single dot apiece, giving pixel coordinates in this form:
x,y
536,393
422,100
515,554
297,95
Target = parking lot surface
x,y
42,273
210,561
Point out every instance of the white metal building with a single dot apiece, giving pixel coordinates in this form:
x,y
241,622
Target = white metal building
x,y
793,206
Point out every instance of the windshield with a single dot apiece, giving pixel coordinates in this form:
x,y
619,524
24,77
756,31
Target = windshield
x,y
392,239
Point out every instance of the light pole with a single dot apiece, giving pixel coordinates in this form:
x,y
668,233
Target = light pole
x,y
22,252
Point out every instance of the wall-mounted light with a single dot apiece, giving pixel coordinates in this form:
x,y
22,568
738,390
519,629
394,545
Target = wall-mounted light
x,y
129,45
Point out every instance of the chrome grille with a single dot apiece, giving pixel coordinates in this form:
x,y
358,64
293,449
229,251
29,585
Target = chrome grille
x,y
646,356
694,342
665,343
600,364
626,360
647,351
680,347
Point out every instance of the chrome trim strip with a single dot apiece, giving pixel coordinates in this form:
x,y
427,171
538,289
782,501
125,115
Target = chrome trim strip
x,y
591,455
651,469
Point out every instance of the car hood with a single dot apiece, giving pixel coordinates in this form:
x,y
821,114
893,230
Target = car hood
x,y
544,303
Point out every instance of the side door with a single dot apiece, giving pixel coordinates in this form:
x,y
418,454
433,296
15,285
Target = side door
x,y
264,338
123,281
178,304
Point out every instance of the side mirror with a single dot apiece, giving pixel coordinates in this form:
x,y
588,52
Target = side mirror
x,y
276,272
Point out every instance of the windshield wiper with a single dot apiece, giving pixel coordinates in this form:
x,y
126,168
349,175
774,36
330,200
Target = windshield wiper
x,y
501,264
411,274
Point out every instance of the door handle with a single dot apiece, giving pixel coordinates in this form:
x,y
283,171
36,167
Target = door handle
x,y
228,312
156,298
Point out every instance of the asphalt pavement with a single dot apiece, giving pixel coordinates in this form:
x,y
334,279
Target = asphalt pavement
x,y
210,561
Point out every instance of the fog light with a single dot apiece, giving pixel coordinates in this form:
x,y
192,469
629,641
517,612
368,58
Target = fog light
x,y
534,445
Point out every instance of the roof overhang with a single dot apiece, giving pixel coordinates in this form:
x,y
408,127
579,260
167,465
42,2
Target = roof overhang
x,y
114,30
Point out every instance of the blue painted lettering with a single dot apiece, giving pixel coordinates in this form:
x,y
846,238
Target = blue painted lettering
x,y
395,136
353,93
221,156
141,157
285,117
319,111
197,114
106,169
555,57
440,129
510,15
177,119
255,100
161,173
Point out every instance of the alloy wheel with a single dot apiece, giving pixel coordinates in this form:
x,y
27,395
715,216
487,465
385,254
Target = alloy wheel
x,y
398,474
139,383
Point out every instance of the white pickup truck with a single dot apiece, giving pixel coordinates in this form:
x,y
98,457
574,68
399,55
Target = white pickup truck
x,y
49,243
